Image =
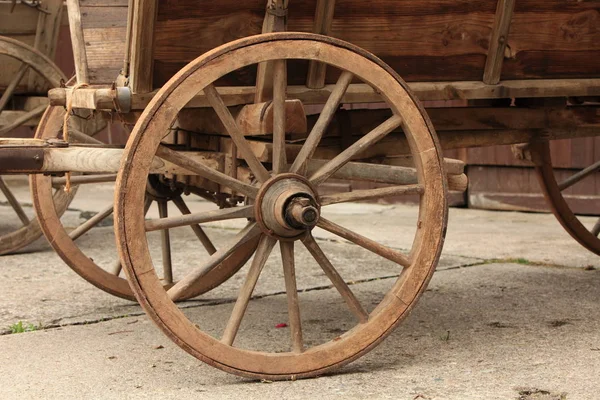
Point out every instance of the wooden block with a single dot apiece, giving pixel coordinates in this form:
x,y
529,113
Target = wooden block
x,y
257,119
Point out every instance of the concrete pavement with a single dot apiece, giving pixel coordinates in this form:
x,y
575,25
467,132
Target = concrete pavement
x,y
512,312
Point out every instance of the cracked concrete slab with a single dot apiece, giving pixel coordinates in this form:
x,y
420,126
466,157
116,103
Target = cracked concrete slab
x,y
481,332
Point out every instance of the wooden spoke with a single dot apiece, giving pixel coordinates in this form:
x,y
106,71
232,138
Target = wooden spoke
x,y
90,223
165,244
84,179
289,272
372,137
36,112
567,183
371,245
10,89
335,278
248,233
265,246
200,218
279,123
200,234
215,100
333,102
553,191
205,172
14,203
596,228
360,195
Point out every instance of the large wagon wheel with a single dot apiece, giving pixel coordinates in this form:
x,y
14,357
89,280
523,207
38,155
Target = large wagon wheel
x,y
108,275
284,207
31,59
588,237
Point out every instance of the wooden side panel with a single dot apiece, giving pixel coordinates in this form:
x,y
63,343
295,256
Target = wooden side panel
x,y
554,39
422,39
104,30
517,189
37,29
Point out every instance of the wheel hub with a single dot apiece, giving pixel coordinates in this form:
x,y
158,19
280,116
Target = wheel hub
x,y
287,207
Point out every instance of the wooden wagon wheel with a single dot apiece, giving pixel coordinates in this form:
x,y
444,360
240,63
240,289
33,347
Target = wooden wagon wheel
x,y
284,206
31,59
107,276
588,237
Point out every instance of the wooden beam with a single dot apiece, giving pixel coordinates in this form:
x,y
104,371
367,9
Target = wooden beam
x,y
498,42
87,159
78,42
275,21
361,93
142,46
323,19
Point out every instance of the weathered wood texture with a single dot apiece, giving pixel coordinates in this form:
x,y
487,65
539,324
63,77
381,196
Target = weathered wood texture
x,y
509,188
423,40
104,30
554,38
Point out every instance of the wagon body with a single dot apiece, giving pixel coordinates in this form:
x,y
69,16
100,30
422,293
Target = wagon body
x,y
424,41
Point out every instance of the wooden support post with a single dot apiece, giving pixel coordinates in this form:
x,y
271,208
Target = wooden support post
x,y
498,42
322,26
81,65
142,40
275,21
128,35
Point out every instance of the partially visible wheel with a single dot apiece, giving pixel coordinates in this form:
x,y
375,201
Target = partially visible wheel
x,y
284,206
16,113
99,263
587,236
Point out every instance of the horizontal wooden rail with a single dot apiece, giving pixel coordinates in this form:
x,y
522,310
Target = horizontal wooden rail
x,y
357,93
41,158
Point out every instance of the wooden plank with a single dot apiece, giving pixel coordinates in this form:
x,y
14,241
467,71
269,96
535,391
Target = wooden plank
x,y
425,91
78,42
421,39
495,57
554,39
142,45
105,53
323,19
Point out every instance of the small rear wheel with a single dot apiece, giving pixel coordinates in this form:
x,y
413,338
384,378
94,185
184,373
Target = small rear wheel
x,y
587,236
20,110
98,263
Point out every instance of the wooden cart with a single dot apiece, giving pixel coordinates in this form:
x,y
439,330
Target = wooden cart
x,y
256,108
28,36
